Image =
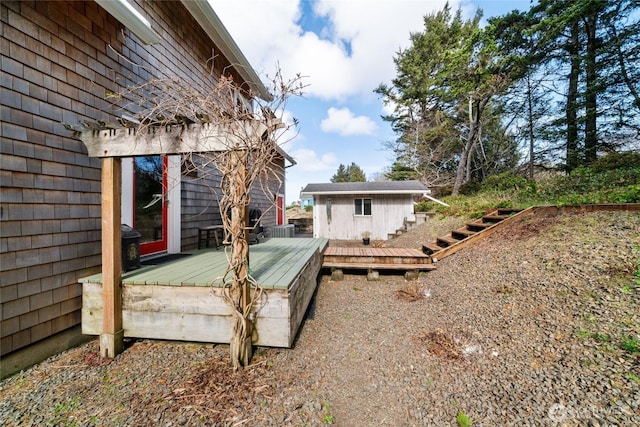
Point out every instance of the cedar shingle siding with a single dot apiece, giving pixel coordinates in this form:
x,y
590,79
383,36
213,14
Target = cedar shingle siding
x,y
60,60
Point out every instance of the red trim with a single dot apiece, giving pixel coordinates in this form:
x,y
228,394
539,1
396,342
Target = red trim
x,y
158,245
280,209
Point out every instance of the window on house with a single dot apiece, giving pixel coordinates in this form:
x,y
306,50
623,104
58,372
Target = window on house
x,y
362,207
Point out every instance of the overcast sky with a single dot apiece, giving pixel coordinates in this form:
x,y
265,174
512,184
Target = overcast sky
x,y
345,49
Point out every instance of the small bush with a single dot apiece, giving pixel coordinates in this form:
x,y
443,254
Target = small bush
x,y
471,187
627,160
505,182
424,206
443,191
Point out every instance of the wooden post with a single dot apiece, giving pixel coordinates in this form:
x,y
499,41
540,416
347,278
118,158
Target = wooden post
x,y
111,339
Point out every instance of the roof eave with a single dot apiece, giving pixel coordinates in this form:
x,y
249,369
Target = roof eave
x,y
206,17
286,156
129,16
348,193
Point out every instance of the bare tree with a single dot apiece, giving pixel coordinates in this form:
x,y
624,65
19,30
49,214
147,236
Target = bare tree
x,y
234,133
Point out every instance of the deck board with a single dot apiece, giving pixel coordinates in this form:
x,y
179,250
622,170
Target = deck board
x,y
274,263
376,258
375,252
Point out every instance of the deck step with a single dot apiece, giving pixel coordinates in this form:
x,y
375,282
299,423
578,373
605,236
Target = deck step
x,y
508,211
477,226
446,241
430,248
462,233
378,266
493,218
471,232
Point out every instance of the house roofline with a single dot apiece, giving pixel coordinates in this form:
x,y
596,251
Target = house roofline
x,y
348,193
286,156
207,18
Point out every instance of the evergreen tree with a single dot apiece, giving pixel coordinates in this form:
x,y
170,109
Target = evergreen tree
x,y
582,42
446,82
351,173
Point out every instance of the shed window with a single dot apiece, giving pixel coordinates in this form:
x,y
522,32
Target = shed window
x,y
362,206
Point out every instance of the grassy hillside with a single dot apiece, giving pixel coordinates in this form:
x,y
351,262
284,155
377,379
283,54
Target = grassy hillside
x,y
612,179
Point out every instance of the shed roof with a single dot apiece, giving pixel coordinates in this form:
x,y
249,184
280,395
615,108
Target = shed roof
x,y
383,187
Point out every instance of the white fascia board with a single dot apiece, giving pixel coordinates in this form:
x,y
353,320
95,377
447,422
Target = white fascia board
x,y
206,17
350,193
128,16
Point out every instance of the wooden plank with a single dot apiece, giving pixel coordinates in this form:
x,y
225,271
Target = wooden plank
x,y
191,314
111,338
378,266
301,293
176,139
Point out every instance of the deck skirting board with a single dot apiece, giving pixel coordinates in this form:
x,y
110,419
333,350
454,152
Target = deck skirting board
x,y
199,313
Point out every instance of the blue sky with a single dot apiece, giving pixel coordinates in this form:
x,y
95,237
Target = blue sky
x,y
345,49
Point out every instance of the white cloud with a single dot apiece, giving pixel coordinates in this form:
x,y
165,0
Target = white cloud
x,y
268,33
309,161
343,122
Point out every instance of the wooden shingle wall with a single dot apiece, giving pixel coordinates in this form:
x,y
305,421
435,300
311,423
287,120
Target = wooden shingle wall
x,y
199,201
60,60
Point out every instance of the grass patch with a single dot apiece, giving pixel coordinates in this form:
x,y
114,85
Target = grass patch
x,y
463,419
612,179
631,345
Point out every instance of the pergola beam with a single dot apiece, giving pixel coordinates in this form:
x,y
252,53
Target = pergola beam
x,y
174,139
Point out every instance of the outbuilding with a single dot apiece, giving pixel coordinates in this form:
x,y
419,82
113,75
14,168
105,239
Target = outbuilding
x,y
355,210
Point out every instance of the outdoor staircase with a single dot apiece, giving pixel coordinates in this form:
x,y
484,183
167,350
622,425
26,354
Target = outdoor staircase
x,y
472,231
420,218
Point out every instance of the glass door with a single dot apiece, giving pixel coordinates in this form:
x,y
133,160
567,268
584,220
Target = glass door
x,y
150,207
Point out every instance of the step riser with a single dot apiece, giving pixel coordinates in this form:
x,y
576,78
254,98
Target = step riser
x,y
446,245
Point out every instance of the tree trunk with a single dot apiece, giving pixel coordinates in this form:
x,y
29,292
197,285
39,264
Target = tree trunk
x,y
474,125
590,130
241,345
623,69
531,128
572,100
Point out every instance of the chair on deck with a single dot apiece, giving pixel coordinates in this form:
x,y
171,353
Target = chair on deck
x,y
209,233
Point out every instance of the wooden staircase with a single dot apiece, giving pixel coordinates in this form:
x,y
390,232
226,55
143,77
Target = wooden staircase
x,y
472,231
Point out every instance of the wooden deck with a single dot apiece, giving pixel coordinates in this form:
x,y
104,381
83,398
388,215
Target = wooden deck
x,y
182,299
376,258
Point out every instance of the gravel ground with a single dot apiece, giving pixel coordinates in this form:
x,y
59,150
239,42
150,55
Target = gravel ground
x,y
535,325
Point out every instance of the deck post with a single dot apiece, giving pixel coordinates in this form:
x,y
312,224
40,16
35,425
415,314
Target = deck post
x,y
111,339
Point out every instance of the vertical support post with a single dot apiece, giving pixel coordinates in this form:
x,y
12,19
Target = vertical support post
x,y
111,339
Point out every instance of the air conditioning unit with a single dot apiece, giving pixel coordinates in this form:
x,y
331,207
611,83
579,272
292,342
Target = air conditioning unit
x,y
283,231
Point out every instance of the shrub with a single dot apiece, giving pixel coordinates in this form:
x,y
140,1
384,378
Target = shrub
x,y
626,160
469,188
442,191
505,181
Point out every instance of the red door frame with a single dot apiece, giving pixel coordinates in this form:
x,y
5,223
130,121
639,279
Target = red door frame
x,y
280,210
157,245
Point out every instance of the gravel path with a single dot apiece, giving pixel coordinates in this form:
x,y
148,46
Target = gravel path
x,y
535,325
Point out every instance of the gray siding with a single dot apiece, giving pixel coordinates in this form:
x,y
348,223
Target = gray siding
x,y
59,61
200,206
388,213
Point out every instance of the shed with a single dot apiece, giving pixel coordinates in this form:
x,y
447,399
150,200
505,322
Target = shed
x,y
350,210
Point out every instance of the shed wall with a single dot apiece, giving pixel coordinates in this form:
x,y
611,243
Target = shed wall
x,y
388,213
